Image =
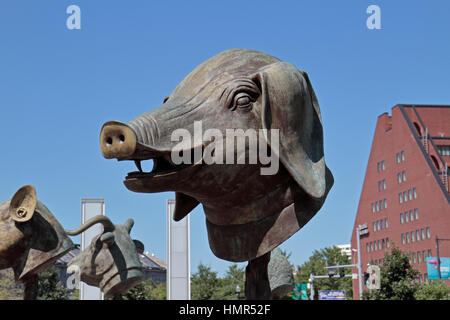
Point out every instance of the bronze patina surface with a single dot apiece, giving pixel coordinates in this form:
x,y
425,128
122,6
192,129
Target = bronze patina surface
x,y
31,239
111,262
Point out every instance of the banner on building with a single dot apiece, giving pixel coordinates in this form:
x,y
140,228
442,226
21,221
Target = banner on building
x,y
432,268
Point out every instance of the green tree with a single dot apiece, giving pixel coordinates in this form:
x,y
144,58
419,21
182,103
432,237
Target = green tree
x,y
204,283
226,286
49,287
435,290
146,290
397,278
318,261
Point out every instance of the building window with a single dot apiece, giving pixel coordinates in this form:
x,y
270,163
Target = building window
x,y
382,165
409,194
400,198
382,244
374,226
379,244
379,186
415,193
385,203
428,233
386,223
429,253
381,204
411,217
387,242
407,237
419,257
403,238
405,196
377,206
412,236
399,178
422,231
417,235
384,184
404,175
401,218
416,213
406,217
444,150
373,207
398,157
403,155
378,166
367,247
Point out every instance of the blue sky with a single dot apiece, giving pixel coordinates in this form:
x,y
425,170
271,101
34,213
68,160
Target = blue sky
x,y
58,86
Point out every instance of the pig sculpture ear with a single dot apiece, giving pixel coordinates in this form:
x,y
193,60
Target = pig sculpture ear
x,y
23,204
290,105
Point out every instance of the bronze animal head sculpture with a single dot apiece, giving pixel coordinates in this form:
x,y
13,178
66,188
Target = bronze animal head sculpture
x,y
247,213
111,261
31,239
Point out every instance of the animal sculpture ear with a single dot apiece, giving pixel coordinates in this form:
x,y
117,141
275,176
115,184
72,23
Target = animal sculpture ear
x,y
290,105
23,204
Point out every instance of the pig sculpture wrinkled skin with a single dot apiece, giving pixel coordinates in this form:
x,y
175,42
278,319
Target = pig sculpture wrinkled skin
x,y
111,261
247,214
31,239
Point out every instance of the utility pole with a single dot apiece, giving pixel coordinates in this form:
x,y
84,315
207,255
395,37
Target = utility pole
x,y
360,230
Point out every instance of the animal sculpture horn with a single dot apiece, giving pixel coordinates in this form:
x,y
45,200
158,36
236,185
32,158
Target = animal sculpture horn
x,y
23,204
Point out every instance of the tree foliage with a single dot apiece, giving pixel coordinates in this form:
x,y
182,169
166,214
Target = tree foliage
x,y
397,278
8,288
146,290
206,285
435,290
49,286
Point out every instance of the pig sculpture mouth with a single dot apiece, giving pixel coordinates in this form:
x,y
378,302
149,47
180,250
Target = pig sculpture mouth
x,y
161,166
163,174
120,141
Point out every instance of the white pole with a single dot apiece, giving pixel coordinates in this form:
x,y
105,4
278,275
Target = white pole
x,y
359,262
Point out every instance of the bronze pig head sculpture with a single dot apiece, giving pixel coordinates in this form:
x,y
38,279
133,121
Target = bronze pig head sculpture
x,y
31,239
247,213
111,261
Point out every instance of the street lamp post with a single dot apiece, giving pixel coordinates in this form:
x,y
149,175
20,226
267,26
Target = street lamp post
x,y
360,230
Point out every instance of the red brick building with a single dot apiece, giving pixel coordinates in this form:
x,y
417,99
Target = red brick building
x,y
405,196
